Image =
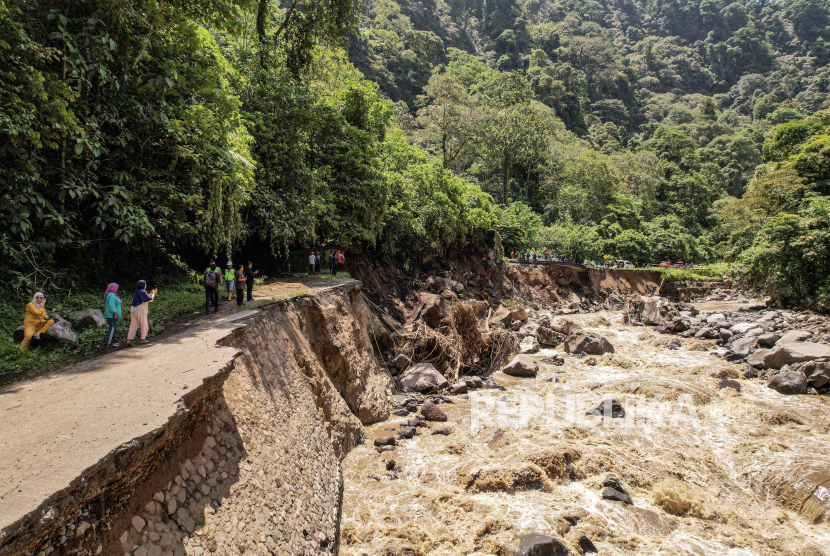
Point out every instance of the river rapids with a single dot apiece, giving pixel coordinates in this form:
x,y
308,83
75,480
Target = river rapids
x,y
709,471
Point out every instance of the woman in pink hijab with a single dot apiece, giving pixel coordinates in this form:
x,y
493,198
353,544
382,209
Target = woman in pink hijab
x,y
112,311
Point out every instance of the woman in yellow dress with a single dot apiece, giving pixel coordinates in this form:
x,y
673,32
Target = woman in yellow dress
x,y
36,320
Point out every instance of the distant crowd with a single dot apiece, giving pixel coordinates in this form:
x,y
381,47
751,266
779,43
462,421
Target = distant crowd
x,y
335,259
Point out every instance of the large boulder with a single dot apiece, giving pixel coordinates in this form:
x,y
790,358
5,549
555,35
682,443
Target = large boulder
x,y
547,336
817,373
767,340
789,382
529,345
60,335
592,344
518,313
88,318
793,337
540,545
423,378
529,329
654,310
431,412
788,354
744,343
742,327
565,326
522,365
57,336
756,359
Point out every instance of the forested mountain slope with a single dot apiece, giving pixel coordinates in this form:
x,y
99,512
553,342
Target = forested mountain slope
x,y
621,128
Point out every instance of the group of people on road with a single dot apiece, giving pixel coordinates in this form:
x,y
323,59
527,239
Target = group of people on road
x,y
241,280
529,256
336,261
37,321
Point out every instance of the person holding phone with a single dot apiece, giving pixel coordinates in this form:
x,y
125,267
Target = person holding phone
x,y
250,278
36,320
139,313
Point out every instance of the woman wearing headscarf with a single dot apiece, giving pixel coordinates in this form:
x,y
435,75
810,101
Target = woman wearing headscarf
x,y
139,312
36,320
112,312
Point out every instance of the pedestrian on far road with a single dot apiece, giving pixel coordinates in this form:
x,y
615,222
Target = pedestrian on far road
x,y
239,282
311,261
112,312
36,320
229,274
341,262
139,313
331,262
250,278
213,279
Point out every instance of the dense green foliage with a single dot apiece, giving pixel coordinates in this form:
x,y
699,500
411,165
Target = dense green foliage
x,y
640,130
621,124
779,232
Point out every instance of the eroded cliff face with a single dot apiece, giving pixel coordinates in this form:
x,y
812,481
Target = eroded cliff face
x,y
250,462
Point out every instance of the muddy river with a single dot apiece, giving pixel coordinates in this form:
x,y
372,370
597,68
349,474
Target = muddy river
x,y
709,471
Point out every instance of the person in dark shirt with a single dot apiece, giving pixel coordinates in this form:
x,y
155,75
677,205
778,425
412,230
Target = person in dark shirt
x,y
213,279
250,275
239,282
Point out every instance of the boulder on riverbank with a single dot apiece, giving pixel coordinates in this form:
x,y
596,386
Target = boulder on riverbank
x,y
789,383
585,342
422,378
800,352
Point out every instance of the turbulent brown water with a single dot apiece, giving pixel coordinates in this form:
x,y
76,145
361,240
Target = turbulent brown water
x,y
710,471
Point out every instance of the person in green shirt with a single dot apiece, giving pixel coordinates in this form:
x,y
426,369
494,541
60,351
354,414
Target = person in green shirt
x,y
229,276
112,312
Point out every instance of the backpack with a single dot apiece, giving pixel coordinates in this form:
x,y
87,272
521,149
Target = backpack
x,y
210,279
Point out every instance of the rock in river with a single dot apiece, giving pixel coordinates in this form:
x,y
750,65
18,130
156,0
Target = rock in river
x,y
588,343
609,408
431,412
540,545
615,495
522,365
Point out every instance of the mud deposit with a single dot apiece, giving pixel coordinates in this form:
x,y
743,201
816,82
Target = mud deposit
x,y
709,471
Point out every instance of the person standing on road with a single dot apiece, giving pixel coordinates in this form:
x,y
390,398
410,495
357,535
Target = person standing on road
x,y
331,262
341,262
250,278
139,313
213,279
229,274
239,282
311,260
112,312
36,320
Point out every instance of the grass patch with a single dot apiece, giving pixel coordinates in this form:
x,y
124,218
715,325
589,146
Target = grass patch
x,y
707,273
306,279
